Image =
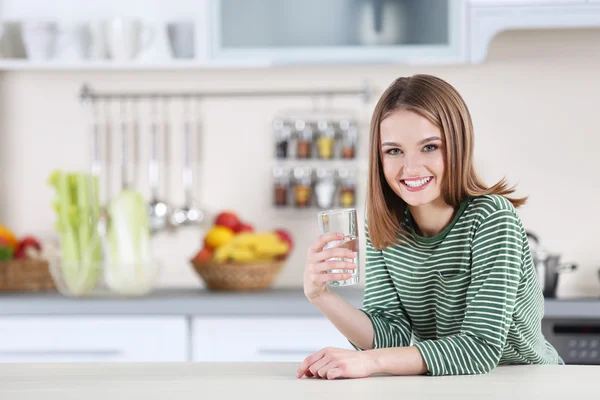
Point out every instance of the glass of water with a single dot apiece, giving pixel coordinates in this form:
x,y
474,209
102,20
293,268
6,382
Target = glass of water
x,y
342,221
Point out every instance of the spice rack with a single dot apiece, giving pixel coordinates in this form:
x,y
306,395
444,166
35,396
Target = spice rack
x,y
308,154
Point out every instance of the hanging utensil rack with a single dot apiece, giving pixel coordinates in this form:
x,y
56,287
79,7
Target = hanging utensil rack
x,y
89,94
90,97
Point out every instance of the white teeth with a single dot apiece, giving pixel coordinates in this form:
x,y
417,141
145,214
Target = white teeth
x,y
418,183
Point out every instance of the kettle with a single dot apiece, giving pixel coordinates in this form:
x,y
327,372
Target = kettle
x,y
547,266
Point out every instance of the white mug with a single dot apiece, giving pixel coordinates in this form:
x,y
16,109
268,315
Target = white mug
x,y
126,37
39,38
98,40
72,41
181,36
159,49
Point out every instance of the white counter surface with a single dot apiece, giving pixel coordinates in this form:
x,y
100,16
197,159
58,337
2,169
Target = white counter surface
x,y
172,381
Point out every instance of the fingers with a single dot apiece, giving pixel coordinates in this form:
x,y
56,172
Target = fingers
x,y
317,368
308,361
334,252
323,278
332,265
334,373
324,239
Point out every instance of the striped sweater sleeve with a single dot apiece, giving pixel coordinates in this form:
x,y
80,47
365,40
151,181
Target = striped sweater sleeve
x,y
381,304
495,273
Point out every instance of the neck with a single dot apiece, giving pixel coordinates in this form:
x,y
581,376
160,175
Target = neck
x,y
432,218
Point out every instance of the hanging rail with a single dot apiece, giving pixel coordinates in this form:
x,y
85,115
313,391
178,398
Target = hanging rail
x,y
88,94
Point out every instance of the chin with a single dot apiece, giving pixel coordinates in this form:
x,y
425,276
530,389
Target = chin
x,y
420,198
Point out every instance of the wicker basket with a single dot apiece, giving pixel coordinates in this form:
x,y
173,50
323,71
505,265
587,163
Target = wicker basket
x,y
250,276
25,276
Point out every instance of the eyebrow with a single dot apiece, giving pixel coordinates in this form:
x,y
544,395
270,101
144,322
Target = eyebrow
x,y
426,140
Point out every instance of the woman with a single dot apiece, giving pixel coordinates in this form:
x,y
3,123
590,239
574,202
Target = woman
x,y
450,282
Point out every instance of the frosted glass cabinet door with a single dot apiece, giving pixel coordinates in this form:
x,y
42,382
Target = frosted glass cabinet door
x,y
356,31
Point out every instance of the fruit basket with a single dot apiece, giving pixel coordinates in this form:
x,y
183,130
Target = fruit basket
x,y
25,275
235,257
238,276
23,264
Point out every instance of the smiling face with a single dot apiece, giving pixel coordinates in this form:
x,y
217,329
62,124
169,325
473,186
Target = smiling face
x,y
412,157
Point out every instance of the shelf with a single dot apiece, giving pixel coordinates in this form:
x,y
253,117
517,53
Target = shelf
x,y
26,65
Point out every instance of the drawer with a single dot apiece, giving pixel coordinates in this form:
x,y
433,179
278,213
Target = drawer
x,y
262,339
93,339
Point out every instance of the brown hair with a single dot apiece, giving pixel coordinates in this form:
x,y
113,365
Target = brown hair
x,y
443,106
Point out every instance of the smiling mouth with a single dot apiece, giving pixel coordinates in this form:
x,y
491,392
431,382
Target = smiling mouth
x,y
416,183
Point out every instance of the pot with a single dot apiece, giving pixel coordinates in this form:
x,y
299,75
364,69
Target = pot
x,y
547,266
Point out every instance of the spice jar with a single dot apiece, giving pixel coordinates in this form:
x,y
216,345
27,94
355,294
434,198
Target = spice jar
x,y
347,192
304,139
349,133
326,140
325,187
281,185
282,138
302,186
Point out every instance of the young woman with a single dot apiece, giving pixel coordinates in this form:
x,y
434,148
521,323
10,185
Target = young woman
x,y
450,282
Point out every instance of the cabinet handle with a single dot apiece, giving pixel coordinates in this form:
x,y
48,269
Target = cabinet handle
x,y
268,351
50,353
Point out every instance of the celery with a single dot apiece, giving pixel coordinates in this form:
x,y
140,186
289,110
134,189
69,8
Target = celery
x,y
77,208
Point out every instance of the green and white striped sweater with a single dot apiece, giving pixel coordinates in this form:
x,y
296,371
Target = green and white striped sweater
x,y
467,298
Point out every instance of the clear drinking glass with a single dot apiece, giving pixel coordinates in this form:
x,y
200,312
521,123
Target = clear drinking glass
x,y
342,221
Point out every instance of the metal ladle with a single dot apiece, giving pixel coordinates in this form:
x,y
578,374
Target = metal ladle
x,y
158,209
188,214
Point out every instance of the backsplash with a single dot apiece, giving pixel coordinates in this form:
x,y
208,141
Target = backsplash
x,y
533,103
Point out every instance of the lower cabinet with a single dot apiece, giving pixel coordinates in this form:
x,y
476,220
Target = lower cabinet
x,y
262,339
93,339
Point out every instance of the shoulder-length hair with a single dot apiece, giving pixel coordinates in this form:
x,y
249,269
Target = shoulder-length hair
x,y
443,106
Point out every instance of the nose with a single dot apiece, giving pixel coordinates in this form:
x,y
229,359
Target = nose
x,y
413,164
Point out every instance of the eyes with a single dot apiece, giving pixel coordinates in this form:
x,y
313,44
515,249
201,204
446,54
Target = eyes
x,y
426,149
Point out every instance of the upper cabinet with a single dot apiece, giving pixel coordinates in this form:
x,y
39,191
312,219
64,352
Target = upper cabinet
x,y
173,34
488,18
275,32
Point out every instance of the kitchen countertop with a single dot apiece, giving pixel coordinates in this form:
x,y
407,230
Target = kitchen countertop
x,y
192,302
276,380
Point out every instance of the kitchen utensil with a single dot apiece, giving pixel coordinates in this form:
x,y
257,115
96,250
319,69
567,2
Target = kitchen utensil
x,y
158,209
98,170
547,266
188,214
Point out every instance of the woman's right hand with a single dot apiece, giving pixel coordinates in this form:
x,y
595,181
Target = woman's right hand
x,y
315,272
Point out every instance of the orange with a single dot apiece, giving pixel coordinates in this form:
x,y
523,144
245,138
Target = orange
x,y
218,236
10,237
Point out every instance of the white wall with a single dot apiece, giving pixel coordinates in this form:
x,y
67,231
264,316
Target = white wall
x,y
534,104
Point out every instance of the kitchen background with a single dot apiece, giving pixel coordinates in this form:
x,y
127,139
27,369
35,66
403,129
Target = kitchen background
x,y
533,105
533,98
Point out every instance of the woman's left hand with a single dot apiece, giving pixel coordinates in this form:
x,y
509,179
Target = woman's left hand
x,y
332,363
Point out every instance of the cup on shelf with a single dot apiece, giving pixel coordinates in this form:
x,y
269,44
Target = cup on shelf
x,y
128,37
181,37
72,41
39,38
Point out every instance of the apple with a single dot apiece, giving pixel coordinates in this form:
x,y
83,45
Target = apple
x,y
227,219
243,227
204,255
29,247
285,236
